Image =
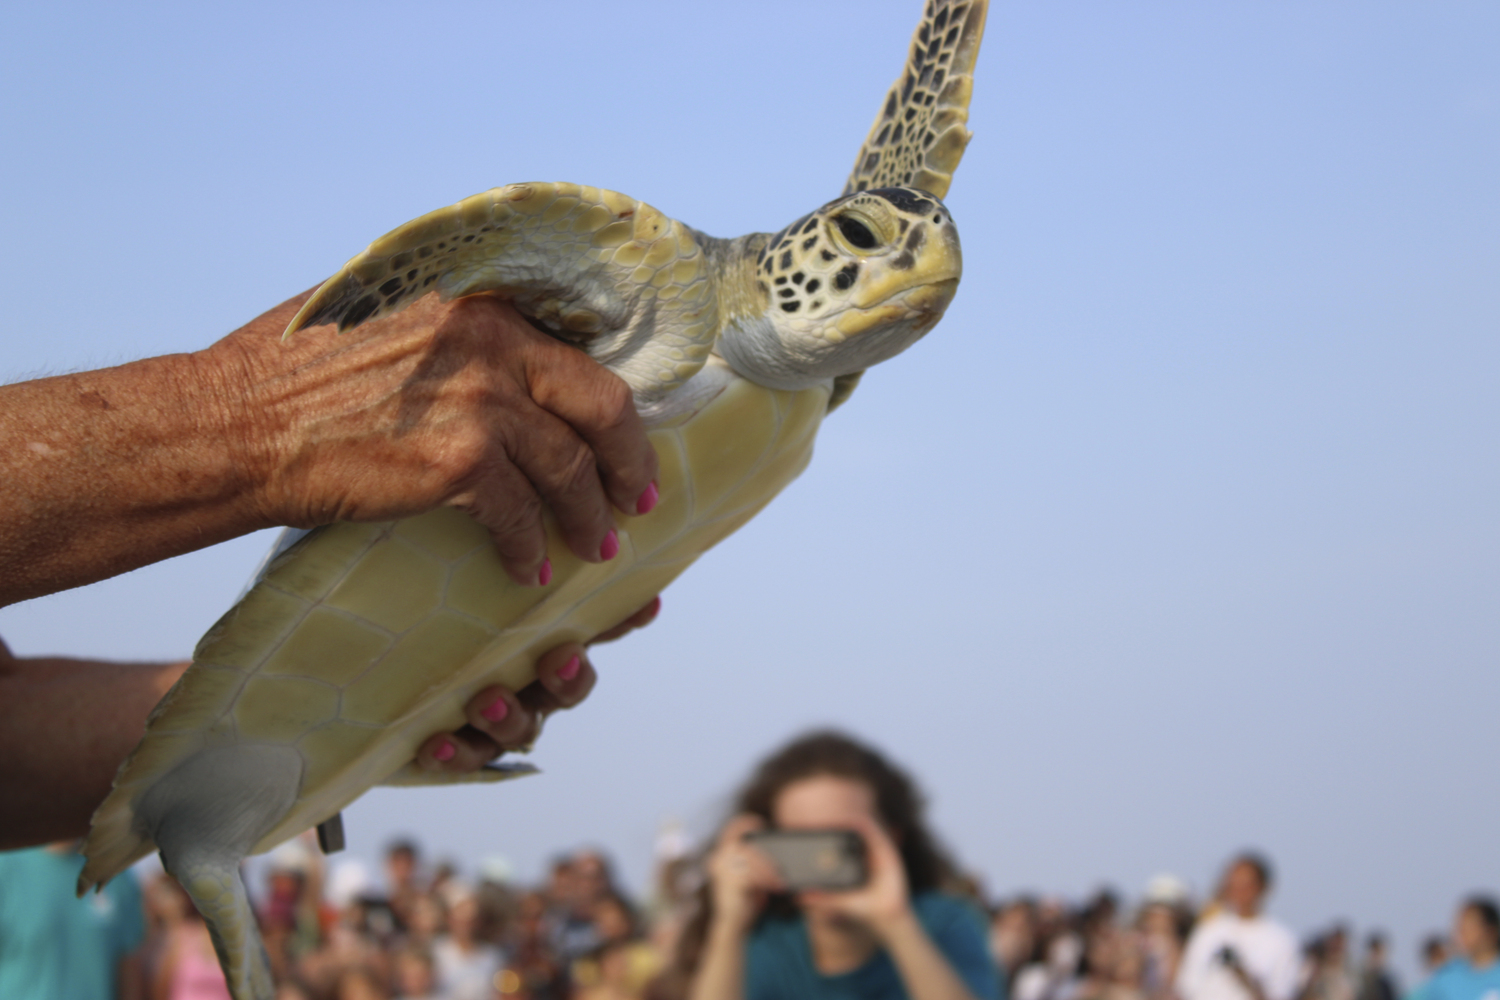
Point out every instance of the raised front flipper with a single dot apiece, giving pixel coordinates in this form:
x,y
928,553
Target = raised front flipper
x,y
919,135
612,274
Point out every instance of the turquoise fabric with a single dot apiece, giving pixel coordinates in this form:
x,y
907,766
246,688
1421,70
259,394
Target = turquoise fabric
x,y
779,963
1459,980
54,946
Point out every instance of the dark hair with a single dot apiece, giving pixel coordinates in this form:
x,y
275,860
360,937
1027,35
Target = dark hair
x,y
1484,908
898,805
403,846
1261,865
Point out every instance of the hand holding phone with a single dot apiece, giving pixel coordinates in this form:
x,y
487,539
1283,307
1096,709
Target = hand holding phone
x,y
830,860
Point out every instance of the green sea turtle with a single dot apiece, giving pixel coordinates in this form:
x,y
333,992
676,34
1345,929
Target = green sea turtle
x,y
357,641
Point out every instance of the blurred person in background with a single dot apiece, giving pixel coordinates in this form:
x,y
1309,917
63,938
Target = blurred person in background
x,y
624,963
898,935
1013,936
1056,968
293,918
1326,975
55,946
415,979
539,974
466,967
1375,979
403,863
359,982
1237,952
1474,974
1434,954
187,968
1163,922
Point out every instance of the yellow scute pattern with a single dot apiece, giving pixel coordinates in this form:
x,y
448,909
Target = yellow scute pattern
x,y
282,709
426,657
332,646
328,750
398,585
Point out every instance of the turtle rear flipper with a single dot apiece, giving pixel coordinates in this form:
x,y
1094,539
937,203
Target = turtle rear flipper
x,y
205,816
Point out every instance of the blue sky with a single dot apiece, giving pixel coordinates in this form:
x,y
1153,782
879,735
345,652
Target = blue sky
x,y
1178,534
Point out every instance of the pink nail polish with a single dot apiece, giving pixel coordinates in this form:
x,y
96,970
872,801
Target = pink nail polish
x,y
648,500
569,670
544,575
610,546
497,711
444,752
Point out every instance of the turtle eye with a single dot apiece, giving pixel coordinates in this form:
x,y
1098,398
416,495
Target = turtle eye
x,y
857,233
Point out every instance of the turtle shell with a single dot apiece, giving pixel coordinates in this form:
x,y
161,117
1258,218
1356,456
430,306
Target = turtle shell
x,y
359,641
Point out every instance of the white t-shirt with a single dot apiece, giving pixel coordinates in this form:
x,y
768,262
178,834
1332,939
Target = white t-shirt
x,y
469,976
1266,950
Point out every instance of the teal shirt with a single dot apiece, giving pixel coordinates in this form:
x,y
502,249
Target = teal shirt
x,y
54,946
779,962
1458,980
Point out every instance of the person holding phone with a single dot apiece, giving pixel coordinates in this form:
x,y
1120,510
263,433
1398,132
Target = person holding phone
x,y
766,931
1236,952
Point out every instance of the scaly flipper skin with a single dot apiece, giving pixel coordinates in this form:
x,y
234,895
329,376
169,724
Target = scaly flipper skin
x,y
919,135
596,267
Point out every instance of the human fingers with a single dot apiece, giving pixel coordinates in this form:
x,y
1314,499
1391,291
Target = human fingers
x,y
507,505
562,467
598,406
640,619
457,752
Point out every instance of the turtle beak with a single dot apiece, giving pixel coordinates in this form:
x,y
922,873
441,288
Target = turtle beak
x,y
921,274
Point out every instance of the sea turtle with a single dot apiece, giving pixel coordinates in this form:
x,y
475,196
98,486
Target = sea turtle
x,y
357,641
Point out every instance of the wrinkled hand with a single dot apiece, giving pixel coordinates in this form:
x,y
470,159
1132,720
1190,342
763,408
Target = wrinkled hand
x,y
883,901
740,876
461,404
501,719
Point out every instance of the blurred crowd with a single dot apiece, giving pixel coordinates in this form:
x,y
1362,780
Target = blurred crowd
x,y
424,931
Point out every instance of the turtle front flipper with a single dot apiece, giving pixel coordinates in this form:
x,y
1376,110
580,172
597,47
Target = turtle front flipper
x,y
919,135
626,283
920,132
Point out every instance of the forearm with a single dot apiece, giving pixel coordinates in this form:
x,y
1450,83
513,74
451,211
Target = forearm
x,y
109,470
924,970
65,726
721,968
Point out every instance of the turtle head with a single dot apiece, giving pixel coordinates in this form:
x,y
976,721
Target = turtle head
x,y
848,286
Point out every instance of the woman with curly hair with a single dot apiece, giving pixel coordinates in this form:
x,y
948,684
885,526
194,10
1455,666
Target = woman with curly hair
x,y
898,935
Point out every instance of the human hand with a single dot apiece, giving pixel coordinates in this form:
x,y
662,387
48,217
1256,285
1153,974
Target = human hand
x,y
739,875
883,901
501,719
461,404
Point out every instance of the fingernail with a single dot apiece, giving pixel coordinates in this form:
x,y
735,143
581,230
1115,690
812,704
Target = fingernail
x,y
497,711
544,575
569,670
648,500
655,606
444,752
610,547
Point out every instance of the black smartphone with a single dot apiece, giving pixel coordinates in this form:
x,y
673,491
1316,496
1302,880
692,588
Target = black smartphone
x,y
815,859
